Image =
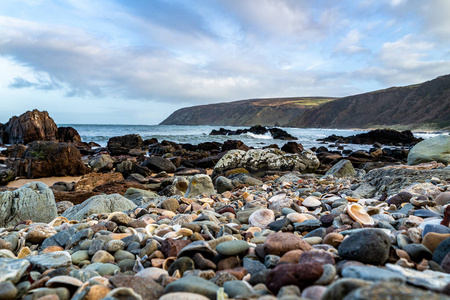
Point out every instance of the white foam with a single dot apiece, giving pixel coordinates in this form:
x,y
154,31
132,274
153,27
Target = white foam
x,y
266,136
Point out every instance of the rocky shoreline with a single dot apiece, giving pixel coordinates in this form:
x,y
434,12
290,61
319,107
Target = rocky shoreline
x,y
160,220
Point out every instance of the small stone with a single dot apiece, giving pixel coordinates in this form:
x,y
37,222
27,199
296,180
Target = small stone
x,y
152,273
319,257
182,265
7,290
122,255
313,292
329,273
97,292
39,233
102,257
418,252
261,218
170,204
281,242
80,256
114,246
146,288
198,286
342,287
291,257
370,246
441,251
334,239
442,198
232,247
301,275
184,296
222,277
51,260
289,291
372,274
392,290
237,288
431,240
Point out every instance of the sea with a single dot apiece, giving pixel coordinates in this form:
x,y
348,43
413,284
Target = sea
x,y
308,137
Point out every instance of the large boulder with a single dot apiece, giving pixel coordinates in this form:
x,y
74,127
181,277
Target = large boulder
x,y
101,163
97,205
68,135
258,161
28,127
119,145
433,149
159,164
45,159
391,180
34,201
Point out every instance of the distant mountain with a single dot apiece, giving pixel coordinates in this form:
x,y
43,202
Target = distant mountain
x,y
267,112
420,106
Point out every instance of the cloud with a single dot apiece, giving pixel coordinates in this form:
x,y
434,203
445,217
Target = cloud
x,y
351,43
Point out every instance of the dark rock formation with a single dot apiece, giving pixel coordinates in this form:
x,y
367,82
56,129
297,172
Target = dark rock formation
x,y
68,135
28,127
382,136
45,159
119,145
276,133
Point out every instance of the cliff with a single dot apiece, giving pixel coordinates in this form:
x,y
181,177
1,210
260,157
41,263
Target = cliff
x,y
421,106
266,112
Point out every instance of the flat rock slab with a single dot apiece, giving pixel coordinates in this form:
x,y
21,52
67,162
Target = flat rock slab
x,y
12,269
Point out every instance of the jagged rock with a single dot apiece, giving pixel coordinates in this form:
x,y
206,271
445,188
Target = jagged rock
x,y
101,163
98,204
276,133
28,127
391,180
433,149
120,145
382,136
45,159
292,147
343,168
34,201
159,164
258,161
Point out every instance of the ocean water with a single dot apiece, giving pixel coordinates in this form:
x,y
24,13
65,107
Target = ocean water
x,y
198,134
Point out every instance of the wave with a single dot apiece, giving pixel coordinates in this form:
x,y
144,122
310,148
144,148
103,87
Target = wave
x,y
266,136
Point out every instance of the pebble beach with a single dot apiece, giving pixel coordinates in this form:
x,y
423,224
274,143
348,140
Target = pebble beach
x,y
259,224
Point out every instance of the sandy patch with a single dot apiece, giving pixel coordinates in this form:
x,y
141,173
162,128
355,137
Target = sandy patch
x,y
47,180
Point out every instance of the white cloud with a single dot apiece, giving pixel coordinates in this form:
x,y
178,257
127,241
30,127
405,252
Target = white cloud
x,y
351,43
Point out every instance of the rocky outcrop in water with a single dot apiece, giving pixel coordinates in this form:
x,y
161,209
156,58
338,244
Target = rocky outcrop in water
x,y
381,136
276,133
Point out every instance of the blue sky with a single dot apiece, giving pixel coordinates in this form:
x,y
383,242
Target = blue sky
x,y
135,62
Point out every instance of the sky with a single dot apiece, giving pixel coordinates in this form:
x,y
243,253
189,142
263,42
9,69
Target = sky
x,y
135,62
